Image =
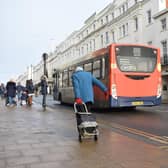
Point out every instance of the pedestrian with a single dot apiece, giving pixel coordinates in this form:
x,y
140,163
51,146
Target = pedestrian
x,y
2,90
11,92
44,86
83,83
30,91
36,90
19,89
30,86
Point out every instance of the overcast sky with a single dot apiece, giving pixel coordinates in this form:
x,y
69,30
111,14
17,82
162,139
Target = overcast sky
x,y
29,28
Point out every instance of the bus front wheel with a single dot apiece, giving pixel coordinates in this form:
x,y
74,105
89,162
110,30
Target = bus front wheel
x,y
60,98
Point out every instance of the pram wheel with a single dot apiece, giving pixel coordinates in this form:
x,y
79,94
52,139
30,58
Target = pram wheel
x,y
95,137
80,138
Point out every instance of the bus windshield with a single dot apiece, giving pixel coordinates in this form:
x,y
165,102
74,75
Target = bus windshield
x,y
136,58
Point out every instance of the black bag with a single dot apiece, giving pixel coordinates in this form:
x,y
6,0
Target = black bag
x,y
84,117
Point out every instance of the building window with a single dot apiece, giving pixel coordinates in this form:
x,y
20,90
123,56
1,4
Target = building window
x,y
136,23
82,51
101,21
164,50
79,52
164,87
107,19
123,8
113,36
87,48
123,28
94,27
120,10
112,15
126,5
163,24
90,45
107,37
127,28
120,31
94,44
149,42
149,16
102,43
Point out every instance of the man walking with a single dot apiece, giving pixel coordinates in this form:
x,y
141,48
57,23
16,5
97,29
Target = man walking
x,y
44,86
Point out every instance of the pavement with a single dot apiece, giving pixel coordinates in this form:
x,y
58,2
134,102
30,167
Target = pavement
x,y
33,138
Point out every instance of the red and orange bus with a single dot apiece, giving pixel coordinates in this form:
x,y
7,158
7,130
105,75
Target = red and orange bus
x,y
132,73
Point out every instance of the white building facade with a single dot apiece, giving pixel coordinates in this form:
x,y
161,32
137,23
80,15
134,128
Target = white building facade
x,y
124,21
161,40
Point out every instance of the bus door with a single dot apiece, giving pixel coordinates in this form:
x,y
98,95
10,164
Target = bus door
x,y
56,85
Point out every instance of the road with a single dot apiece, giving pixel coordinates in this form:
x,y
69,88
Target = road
x,y
145,123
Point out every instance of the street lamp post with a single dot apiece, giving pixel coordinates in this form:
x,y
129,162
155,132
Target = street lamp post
x,y
45,56
44,81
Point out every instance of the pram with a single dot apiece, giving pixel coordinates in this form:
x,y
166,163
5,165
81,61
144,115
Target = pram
x,y
86,122
23,97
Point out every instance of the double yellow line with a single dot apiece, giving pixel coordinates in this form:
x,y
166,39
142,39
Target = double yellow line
x,y
161,140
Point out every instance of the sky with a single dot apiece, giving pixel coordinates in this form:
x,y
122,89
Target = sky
x,y
28,28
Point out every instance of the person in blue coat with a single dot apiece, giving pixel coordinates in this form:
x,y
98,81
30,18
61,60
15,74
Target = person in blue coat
x,y
83,83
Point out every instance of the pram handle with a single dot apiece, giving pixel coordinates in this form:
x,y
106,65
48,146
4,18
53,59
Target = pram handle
x,y
85,110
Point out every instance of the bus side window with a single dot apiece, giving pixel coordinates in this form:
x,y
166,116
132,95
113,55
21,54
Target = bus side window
x,y
103,68
65,78
88,67
97,69
60,79
71,70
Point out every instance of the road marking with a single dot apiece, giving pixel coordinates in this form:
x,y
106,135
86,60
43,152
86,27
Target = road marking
x,y
162,140
161,111
164,147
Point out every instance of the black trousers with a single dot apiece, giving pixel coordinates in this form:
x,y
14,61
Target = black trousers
x,y
89,106
44,100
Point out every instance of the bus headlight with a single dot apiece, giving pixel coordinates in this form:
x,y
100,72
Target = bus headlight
x,y
159,91
114,91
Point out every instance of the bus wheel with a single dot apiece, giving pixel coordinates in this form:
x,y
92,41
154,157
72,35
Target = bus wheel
x,y
95,137
60,98
80,138
131,108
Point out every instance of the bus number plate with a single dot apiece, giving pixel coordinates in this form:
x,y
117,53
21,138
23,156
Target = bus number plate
x,y
137,103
